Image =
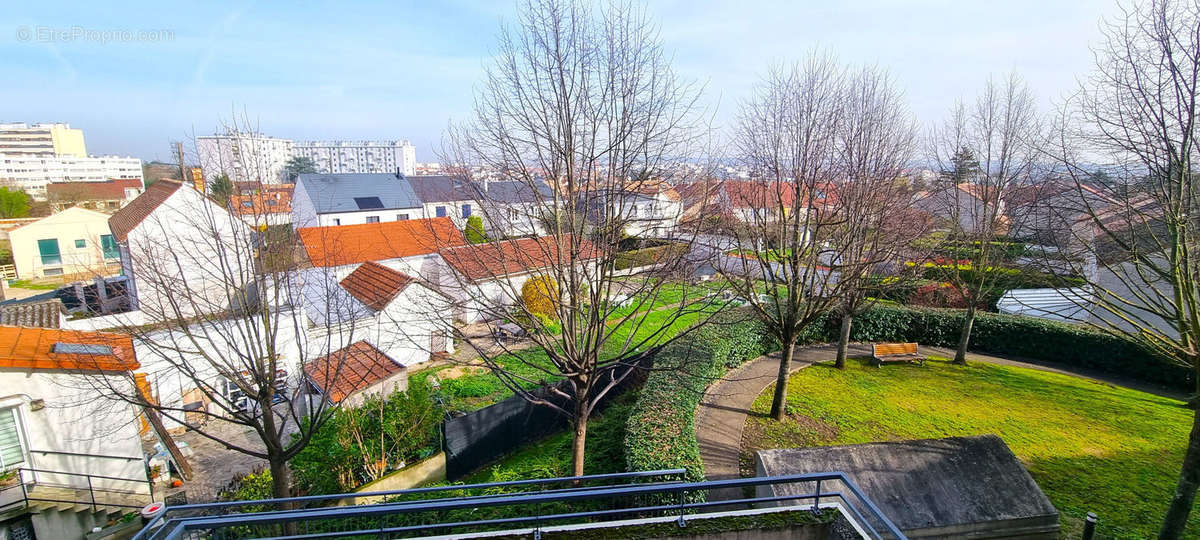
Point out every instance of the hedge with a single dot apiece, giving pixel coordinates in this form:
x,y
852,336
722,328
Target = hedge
x,y
647,256
661,429
1003,278
1014,335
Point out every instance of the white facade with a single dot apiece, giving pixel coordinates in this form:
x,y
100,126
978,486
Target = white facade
x,y
244,157
338,157
58,414
73,242
32,172
174,262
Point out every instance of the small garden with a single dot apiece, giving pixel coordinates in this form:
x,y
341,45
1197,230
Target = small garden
x,y
1091,446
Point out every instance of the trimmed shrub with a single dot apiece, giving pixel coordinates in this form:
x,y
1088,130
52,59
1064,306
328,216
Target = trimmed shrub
x,y
661,430
539,293
648,256
474,232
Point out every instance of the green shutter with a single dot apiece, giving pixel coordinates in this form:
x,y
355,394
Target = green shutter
x,y
10,441
48,249
109,245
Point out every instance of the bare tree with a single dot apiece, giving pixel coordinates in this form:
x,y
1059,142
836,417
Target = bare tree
x,y
224,324
579,125
1130,133
788,228
876,142
986,151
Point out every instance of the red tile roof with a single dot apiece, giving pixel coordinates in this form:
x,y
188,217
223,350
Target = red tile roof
x,y
109,190
350,369
128,218
506,257
266,201
32,348
352,244
375,285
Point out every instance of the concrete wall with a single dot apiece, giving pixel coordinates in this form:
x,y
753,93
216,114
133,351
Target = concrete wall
x,y
431,469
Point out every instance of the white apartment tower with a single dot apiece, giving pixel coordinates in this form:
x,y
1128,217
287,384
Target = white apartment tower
x,y
32,156
245,157
341,157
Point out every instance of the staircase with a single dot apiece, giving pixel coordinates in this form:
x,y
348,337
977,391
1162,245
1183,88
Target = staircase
x,y
43,497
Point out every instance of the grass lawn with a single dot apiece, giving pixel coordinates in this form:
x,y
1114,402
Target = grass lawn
x,y
1090,446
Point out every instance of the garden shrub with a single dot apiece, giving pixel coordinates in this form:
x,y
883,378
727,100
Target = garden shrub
x,y
539,293
474,232
661,431
647,256
252,486
359,444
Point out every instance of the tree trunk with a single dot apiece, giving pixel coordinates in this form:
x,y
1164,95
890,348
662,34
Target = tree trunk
x,y
960,356
785,368
1185,489
579,444
281,478
844,340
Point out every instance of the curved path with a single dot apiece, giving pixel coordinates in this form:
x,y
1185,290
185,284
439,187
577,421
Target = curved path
x,y
723,410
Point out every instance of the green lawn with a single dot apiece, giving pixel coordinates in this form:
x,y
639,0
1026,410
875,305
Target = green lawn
x,y
1090,446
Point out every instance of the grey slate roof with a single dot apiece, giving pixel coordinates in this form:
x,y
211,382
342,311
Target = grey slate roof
x,y
44,314
435,189
336,192
516,192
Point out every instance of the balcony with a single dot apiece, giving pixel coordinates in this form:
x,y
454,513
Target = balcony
x,y
34,488
646,504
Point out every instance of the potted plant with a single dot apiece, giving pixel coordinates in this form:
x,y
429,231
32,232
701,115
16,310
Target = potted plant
x,y
8,478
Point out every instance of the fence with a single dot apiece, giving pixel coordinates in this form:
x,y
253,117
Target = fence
x,y
482,436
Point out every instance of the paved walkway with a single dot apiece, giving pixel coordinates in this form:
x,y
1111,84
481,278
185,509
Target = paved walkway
x,y
726,404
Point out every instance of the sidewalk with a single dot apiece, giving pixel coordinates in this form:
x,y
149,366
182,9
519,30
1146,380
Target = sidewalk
x,y
722,413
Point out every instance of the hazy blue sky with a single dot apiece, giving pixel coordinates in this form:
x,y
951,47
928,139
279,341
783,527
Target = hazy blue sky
x,y
385,70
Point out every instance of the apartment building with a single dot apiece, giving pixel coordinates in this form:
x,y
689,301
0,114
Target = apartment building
x,y
339,157
244,157
56,139
32,172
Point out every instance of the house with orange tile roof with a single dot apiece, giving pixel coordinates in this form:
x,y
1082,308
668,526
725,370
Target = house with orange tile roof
x,y
351,374
486,279
55,430
409,246
182,252
263,205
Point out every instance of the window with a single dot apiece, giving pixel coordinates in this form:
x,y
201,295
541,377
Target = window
x,y
337,221
247,204
11,452
368,203
48,249
441,211
466,210
108,245
401,217
372,219
80,244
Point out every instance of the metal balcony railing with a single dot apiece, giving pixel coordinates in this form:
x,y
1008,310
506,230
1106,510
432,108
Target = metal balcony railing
x,y
59,487
650,495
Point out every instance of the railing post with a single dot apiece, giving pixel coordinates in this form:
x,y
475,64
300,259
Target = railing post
x,y
91,492
21,480
817,498
681,521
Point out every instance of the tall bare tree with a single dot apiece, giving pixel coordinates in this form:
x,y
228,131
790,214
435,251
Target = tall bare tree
x,y
876,143
223,321
986,151
1130,133
807,128
579,130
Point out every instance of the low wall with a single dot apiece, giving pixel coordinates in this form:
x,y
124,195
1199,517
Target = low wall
x,y
431,469
105,322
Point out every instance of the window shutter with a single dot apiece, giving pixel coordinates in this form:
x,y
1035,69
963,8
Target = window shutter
x,y
10,440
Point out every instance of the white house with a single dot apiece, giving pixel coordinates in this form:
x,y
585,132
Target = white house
x,y
52,420
511,209
323,200
75,242
183,253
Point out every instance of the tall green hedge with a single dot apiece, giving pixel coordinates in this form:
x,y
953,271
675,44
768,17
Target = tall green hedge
x,y
661,430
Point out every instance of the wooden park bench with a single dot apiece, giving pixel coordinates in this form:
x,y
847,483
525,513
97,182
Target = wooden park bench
x,y
895,352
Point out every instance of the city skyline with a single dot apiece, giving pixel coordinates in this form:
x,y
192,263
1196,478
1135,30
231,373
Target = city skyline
x,y
382,72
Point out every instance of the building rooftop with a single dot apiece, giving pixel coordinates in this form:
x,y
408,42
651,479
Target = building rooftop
x,y
492,260
350,369
956,487
352,244
92,191
375,285
128,218
331,193
39,348
433,189
43,314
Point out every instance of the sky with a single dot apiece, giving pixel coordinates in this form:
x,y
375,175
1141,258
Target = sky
x,y
136,76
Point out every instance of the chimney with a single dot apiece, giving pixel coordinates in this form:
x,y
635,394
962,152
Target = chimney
x,y
398,175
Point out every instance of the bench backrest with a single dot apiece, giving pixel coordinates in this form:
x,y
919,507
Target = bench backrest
x,y
884,349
